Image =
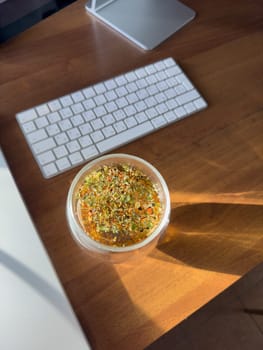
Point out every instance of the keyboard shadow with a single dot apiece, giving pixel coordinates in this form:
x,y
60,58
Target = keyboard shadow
x,y
200,234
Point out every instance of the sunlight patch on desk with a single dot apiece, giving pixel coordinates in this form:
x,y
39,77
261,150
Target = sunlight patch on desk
x,y
169,306
187,198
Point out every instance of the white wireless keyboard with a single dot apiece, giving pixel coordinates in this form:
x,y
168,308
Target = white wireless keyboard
x,y
80,126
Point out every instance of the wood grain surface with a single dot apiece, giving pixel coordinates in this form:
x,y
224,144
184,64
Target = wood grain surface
x,y
212,163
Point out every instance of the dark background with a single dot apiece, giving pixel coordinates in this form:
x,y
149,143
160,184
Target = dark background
x,y
16,15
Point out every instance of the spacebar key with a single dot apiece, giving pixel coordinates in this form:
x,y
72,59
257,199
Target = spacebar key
x,y
125,137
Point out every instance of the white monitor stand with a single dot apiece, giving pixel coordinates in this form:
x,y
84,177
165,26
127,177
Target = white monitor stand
x,y
146,22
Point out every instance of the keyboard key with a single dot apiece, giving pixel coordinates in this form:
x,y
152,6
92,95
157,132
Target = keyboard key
x,y
150,69
52,129
170,93
108,119
140,72
66,112
54,105
85,128
131,75
89,152
171,104
187,97
75,158
151,79
50,170
172,71
89,92
180,89
180,112
162,85
151,113
200,103
85,141
130,122
63,163
28,127
129,110
185,81
120,126
110,84
159,121
121,91
150,101
100,100
160,65
100,111
168,62
60,151
110,95
66,101
65,124
41,122
37,135
111,107
160,97
46,157
44,145
53,117
122,102
77,108
160,76
89,104
99,88
26,116
141,117
61,138
170,116
152,90
74,133
77,120
42,109
141,83
119,114
73,146
97,136
162,108
142,94
132,98
89,115
120,80
190,107
140,106
108,131
77,96
124,137
172,82
132,87
97,124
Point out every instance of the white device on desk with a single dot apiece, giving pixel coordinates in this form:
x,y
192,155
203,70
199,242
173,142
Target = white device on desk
x,y
80,126
34,311
145,22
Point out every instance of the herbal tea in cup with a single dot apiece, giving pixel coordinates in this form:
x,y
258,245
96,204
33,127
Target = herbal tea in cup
x,y
117,206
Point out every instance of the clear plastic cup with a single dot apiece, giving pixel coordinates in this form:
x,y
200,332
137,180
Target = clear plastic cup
x,y
117,254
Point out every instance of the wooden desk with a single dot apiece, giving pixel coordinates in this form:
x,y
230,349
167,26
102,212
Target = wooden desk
x,y
212,162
